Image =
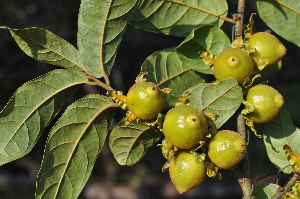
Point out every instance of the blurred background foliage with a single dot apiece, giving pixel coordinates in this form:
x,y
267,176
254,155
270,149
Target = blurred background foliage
x,y
109,180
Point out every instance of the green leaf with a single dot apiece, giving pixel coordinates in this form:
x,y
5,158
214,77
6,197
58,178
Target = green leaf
x,y
31,109
101,25
178,17
129,143
283,17
73,146
222,99
206,38
168,71
44,46
263,191
277,133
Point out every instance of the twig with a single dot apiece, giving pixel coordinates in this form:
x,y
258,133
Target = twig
x,y
240,18
242,171
97,81
280,192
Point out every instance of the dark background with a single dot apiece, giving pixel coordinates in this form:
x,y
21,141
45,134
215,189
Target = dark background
x,y
109,180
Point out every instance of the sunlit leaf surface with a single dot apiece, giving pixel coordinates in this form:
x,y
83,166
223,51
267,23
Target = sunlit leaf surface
x,y
72,147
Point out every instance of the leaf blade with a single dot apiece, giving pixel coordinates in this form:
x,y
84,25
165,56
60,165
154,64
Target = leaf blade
x,y
222,99
208,38
45,46
26,115
282,16
167,71
73,146
266,190
178,17
130,143
103,23
276,134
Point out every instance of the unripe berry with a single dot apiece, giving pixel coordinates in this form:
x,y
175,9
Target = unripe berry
x,y
145,100
267,103
185,172
267,47
226,149
185,126
233,62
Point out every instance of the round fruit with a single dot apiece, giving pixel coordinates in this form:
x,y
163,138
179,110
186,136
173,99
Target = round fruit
x,y
226,149
145,100
233,62
185,126
266,101
185,172
267,47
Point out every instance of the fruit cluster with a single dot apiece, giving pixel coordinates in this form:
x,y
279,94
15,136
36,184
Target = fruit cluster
x,y
258,52
191,149
192,146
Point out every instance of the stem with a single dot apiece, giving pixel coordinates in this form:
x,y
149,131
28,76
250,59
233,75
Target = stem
x,y
204,10
240,18
97,81
106,79
280,192
242,171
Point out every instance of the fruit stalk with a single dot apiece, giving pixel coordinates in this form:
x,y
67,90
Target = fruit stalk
x,y
280,192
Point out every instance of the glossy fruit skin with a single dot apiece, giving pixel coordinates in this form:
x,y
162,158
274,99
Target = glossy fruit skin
x,y
185,126
185,173
233,62
267,103
145,100
226,149
267,47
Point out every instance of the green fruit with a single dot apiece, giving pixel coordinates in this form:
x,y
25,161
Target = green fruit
x,y
145,100
266,101
233,62
267,47
185,126
226,149
185,172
